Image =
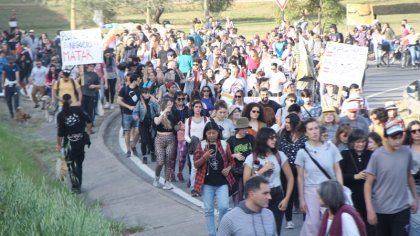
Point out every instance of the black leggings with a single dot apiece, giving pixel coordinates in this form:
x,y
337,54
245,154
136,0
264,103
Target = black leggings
x,y
145,129
110,91
294,197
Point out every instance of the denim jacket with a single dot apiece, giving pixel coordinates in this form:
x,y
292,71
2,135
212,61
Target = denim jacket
x,y
140,112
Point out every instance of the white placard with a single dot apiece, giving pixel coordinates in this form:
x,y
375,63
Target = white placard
x,y
343,64
80,47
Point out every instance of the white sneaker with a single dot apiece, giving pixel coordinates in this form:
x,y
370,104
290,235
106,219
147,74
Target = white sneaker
x,y
111,107
168,186
106,106
156,182
290,225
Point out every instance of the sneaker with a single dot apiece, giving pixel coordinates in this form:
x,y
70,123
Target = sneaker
x,y
36,106
111,107
106,106
144,160
128,154
135,153
194,194
156,182
290,225
167,186
76,190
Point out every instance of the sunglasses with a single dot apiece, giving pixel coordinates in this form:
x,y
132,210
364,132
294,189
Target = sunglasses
x,y
414,131
238,96
195,64
254,111
180,99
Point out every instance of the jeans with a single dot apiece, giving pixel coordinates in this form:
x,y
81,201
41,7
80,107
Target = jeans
x,y
415,220
414,53
222,196
193,172
393,224
378,53
11,94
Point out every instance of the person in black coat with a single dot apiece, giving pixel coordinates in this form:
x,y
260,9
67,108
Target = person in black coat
x,y
353,165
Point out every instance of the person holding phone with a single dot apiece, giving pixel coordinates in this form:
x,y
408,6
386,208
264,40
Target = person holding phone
x,y
214,162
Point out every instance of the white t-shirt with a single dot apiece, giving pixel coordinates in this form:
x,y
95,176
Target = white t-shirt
x,y
274,177
327,155
196,129
231,85
228,128
276,81
349,226
38,75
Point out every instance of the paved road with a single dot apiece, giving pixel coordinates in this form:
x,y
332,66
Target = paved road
x,y
387,83
381,85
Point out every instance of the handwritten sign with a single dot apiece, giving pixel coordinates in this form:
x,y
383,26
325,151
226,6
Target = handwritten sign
x,y
79,47
343,64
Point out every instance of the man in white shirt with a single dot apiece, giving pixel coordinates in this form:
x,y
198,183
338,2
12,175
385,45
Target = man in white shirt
x,y
38,81
234,82
277,79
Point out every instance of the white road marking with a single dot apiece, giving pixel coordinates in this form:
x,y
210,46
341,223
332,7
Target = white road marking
x,y
146,169
386,91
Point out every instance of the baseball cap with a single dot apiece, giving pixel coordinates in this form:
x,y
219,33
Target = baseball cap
x,y
392,129
353,106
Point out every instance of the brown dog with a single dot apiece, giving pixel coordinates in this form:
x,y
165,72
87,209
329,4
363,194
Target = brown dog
x,y
21,117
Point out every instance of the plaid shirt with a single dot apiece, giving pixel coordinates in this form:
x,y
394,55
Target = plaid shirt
x,y
201,172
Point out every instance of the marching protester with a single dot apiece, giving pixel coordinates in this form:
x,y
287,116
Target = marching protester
x,y
73,128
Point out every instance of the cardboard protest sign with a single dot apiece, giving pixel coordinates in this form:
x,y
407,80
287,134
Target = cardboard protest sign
x,y
80,47
359,14
343,64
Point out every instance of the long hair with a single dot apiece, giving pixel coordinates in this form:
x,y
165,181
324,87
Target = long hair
x,y
342,128
165,121
247,111
408,140
261,148
295,125
269,116
66,105
211,126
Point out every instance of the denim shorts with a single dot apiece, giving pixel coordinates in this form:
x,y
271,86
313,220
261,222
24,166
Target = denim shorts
x,y
128,122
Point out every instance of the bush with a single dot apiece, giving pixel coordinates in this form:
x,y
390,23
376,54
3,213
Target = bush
x,y
28,209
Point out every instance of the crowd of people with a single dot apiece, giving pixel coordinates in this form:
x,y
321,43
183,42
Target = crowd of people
x,y
237,113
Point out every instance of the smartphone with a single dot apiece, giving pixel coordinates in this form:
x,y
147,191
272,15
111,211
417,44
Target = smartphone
x,y
212,147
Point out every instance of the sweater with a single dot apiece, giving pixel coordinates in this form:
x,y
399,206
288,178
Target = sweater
x,y
242,221
336,228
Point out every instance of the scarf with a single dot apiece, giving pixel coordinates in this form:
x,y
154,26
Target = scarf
x,y
336,228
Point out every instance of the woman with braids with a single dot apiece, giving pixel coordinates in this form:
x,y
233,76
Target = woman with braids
x,y
165,142
72,123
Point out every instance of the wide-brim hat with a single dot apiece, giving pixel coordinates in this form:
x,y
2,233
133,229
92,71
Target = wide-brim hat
x,y
233,108
328,109
390,105
242,123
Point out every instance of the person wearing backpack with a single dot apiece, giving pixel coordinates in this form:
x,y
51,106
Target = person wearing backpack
x,y
265,160
214,162
67,85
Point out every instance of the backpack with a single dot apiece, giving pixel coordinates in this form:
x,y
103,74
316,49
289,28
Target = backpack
x,y
74,88
189,124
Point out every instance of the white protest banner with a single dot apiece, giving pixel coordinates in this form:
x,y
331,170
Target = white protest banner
x,y
80,47
343,64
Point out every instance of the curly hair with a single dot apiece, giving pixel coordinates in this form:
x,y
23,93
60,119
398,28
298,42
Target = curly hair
x,y
247,111
261,148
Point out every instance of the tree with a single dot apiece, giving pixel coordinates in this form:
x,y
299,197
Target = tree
x,y
86,8
330,11
215,6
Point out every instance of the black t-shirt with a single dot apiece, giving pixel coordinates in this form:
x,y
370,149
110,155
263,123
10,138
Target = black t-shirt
x,y
180,115
130,96
274,105
90,78
161,128
242,145
73,123
214,176
148,115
